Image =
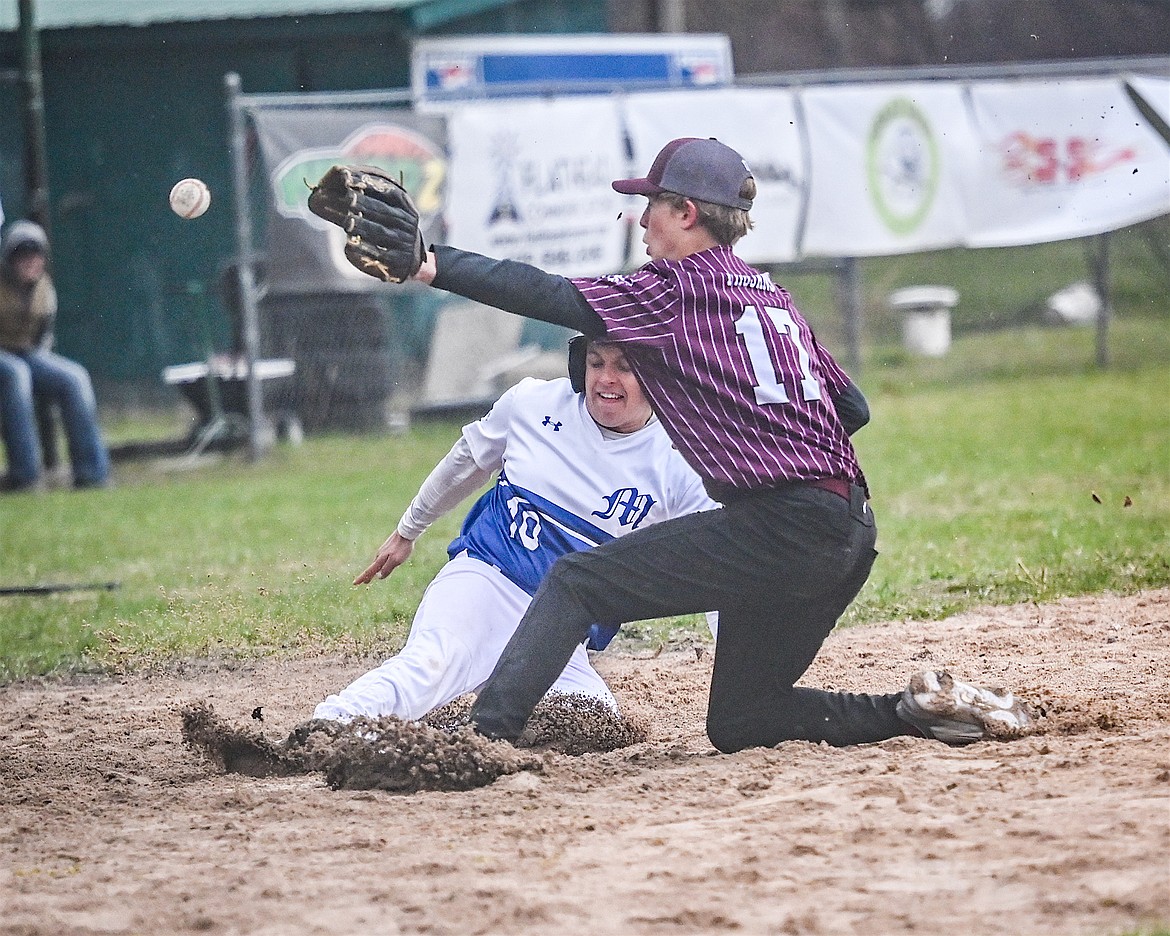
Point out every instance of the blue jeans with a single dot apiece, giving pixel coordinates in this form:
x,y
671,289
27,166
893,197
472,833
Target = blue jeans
x,y
66,384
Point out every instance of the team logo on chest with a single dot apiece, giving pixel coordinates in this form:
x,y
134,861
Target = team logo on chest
x,y
628,506
555,424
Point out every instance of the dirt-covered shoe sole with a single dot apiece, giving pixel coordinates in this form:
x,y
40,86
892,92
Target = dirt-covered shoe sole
x,y
955,712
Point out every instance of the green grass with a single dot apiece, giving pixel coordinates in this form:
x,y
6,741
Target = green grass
x,y
986,468
222,558
1016,490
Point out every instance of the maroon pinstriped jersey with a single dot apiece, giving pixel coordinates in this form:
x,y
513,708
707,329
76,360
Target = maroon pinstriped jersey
x,y
731,367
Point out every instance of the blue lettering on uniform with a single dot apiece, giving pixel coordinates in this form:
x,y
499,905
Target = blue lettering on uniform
x,y
633,507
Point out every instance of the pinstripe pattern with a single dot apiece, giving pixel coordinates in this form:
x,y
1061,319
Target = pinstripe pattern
x,y
677,322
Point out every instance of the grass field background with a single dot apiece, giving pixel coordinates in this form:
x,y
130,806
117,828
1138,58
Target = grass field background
x,y
1010,470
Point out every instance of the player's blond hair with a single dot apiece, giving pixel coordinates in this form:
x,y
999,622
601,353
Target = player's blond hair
x,y
727,225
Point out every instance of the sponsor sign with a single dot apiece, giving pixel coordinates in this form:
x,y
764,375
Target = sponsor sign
x,y
305,253
530,181
760,124
888,164
1061,159
458,68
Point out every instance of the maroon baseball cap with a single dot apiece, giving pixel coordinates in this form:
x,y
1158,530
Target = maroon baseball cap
x,y
696,168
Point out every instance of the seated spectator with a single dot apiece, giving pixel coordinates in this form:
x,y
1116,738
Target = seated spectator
x,y
30,371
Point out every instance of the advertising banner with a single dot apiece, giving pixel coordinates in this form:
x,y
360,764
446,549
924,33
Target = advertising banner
x,y
759,123
888,168
304,254
462,67
841,170
530,181
1061,159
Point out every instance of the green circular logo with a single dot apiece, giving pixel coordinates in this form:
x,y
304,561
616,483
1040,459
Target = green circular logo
x,y
902,165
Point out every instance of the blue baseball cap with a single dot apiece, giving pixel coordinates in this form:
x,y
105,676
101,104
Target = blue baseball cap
x,y
694,167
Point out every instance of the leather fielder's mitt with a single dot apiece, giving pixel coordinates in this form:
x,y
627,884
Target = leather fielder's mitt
x,y
380,220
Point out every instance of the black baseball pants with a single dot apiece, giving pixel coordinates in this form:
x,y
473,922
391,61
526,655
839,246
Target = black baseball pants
x,y
779,565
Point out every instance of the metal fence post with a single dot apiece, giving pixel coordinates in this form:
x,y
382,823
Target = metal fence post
x,y
247,274
36,168
1098,251
849,302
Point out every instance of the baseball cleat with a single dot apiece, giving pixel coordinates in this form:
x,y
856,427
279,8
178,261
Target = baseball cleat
x,y
954,712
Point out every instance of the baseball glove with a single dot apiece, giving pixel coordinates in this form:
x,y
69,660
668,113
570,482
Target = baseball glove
x,y
380,220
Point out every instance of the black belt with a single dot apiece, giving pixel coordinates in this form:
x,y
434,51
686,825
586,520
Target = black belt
x,y
726,494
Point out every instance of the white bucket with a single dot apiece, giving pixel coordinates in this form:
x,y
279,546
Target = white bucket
x,y
927,333
926,321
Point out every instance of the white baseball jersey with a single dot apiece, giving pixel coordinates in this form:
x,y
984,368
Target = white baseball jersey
x,y
594,486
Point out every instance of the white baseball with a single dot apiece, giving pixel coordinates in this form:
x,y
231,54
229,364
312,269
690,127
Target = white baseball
x,y
190,198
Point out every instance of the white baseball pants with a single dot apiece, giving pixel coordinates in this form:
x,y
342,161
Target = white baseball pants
x,y
466,618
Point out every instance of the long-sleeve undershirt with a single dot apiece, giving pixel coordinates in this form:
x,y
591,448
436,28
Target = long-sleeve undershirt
x,y
454,478
515,287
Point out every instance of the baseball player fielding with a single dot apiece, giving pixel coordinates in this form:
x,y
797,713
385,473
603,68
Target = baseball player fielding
x,y
190,198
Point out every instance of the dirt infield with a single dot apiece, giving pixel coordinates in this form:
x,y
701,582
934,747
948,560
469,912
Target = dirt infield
x,y
110,824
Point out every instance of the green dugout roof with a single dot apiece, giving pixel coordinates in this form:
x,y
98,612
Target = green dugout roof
x,y
75,14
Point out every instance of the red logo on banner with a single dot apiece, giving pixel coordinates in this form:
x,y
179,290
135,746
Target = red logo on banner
x,y
1031,160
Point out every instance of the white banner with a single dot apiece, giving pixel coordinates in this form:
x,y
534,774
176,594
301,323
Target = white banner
x,y
760,124
842,170
1061,159
530,180
888,167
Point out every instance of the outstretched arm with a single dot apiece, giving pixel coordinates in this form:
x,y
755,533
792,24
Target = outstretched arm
x,y
512,286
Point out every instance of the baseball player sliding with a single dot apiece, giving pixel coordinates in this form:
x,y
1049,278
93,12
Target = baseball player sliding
x,y
580,462
761,412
